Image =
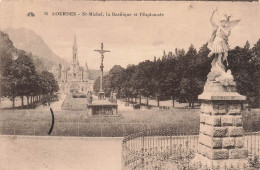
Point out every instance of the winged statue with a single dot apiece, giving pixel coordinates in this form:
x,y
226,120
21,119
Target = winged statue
x,y
218,43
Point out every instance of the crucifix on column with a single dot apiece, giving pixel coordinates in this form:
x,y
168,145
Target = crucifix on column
x,y
101,93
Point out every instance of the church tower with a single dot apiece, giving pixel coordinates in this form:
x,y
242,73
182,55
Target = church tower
x,y
75,62
75,50
86,66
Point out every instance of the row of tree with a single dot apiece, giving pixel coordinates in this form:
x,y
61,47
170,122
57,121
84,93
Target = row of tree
x,y
181,75
19,76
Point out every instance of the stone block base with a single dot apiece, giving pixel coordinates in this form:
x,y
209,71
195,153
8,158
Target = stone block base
x,y
202,163
238,153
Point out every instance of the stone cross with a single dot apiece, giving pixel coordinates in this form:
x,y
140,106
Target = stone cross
x,y
102,51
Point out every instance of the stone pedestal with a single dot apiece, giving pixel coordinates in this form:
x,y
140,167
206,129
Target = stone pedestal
x,y
221,141
101,95
103,108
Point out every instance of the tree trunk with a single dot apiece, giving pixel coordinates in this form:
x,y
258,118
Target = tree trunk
x,y
27,97
135,100
140,100
13,101
158,102
22,101
172,101
147,101
189,104
192,105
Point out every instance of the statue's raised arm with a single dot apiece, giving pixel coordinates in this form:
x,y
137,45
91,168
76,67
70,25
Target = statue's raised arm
x,y
212,21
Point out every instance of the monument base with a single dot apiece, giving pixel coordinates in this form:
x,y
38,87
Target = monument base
x,y
221,142
201,162
216,91
103,108
101,95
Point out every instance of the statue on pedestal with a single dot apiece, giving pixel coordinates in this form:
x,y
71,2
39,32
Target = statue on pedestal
x,y
218,44
221,103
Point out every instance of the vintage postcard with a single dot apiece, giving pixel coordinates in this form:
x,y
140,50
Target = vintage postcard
x,y
109,85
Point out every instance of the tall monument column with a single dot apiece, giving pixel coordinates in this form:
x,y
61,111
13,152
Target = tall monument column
x,y
102,106
221,141
101,93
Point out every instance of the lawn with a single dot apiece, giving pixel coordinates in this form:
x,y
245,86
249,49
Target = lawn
x,y
78,123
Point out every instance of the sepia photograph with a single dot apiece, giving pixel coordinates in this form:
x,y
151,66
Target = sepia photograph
x,y
129,85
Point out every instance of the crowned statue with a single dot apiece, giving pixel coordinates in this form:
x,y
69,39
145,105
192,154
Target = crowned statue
x,y
218,45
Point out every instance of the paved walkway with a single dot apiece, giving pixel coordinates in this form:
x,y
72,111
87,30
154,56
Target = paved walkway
x,y
54,105
59,153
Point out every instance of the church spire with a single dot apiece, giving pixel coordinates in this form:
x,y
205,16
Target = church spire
x,y
75,49
86,66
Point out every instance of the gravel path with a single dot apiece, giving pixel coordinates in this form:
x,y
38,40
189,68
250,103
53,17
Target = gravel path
x,y
59,153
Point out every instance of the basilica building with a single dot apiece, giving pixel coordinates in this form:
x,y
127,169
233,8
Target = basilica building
x,y
74,78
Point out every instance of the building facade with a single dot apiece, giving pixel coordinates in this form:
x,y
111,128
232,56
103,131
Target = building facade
x,y
73,78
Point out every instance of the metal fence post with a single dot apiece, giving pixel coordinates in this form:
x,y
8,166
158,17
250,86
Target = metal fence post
x,y
143,148
101,131
14,128
34,128
68,130
78,126
171,142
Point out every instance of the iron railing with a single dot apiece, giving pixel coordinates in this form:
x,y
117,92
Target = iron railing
x,y
170,149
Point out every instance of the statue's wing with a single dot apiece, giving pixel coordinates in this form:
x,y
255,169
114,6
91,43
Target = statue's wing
x,y
232,24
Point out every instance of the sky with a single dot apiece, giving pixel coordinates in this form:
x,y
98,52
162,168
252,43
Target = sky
x,y
130,39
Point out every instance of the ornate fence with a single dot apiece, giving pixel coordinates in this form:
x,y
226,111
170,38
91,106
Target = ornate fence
x,y
169,149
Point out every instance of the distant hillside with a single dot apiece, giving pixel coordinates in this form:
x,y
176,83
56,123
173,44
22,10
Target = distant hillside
x,y
7,47
29,41
94,74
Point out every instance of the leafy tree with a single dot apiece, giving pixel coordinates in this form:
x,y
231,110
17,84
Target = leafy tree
x,y
142,79
188,88
48,82
182,76
25,73
172,80
256,60
6,58
242,67
113,80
